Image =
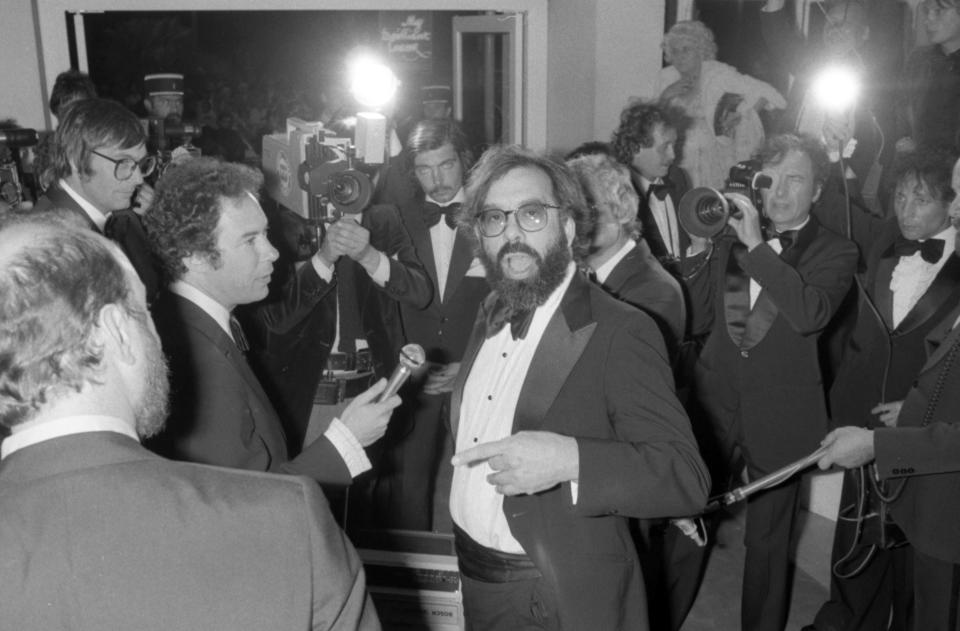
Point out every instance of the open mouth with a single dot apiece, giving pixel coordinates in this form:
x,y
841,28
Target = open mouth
x,y
517,264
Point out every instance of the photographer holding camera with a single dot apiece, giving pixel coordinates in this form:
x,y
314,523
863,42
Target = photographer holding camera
x,y
763,300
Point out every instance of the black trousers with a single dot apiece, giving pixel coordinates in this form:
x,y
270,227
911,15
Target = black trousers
x,y
526,605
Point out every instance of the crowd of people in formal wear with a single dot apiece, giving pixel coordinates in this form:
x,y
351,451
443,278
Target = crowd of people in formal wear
x,y
600,360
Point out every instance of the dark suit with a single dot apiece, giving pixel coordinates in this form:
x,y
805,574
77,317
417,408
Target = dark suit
x,y
219,413
123,227
679,184
640,280
417,434
879,365
292,331
599,374
758,380
923,451
98,533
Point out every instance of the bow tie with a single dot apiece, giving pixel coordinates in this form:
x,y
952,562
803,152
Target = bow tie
x,y
659,190
432,213
931,250
787,237
501,314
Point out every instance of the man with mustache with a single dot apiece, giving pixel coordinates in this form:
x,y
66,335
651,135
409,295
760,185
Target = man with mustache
x,y
440,158
210,233
763,299
95,529
912,282
564,416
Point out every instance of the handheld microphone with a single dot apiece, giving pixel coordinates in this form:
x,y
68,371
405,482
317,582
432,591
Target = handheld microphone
x,y
411,358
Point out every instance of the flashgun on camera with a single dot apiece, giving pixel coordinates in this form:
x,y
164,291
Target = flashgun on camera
x,y
411,358
703,211
836,88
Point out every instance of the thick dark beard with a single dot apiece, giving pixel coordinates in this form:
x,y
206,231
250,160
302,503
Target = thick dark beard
x,y
529,293
151,413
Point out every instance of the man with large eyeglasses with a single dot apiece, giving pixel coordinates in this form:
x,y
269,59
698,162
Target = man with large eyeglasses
x,y
100,162
564,417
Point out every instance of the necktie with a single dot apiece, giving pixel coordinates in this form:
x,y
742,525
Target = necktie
x,y
238,337
501,314
930,250
432,213
659,190
787,237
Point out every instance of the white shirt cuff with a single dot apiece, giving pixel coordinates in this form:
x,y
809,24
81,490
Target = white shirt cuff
x,y
382,274
320,267
349,447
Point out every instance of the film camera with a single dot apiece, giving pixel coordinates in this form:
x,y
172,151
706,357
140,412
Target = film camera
x,y
171,139
320,178
704,211
11,141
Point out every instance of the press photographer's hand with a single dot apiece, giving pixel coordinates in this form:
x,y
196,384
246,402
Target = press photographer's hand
x,y
747,223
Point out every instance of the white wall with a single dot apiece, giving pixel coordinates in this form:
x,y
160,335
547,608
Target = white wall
x,y
21,96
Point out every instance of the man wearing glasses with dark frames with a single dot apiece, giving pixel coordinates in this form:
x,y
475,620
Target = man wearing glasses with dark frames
x,y
100,159
564,417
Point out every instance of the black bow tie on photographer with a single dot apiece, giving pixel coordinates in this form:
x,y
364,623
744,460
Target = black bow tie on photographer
x,y
432,213
787,237
930,250
659,190
501,314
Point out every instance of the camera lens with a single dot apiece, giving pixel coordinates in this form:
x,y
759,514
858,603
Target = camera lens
x,y
711,209
344,189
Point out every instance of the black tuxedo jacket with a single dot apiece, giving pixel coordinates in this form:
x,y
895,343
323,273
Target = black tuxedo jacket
x,y
925,446
599,374
219,413
881,361
680,184
96,532
640,280
292,331
443,327
123,226
758,375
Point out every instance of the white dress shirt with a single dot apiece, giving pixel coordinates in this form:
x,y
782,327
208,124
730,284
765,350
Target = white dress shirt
x,y
603,271
92,211
664,215
487,410
442,238
912,276
33,432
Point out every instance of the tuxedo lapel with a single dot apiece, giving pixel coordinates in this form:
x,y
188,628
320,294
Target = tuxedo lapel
x,y
460,260
420,235
882,296
945,285
563,342
942,337
764,311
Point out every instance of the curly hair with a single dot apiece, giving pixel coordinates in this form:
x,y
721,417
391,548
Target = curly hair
x,y
51,292
607,182
186,209
90,124
499,160
692,31
931,165
637,123
776,148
